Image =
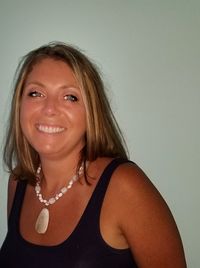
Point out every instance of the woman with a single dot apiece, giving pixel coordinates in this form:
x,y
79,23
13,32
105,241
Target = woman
x,y
74,198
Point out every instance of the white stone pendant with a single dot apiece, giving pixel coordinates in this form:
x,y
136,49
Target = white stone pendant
x,y
42,222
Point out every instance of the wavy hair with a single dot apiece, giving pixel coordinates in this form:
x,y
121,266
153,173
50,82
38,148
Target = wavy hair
x,y
103,135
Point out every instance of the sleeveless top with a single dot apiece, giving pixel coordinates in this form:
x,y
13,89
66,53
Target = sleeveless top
x,y
84,248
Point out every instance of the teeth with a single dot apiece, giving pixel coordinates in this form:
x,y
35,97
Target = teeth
x,y
50,129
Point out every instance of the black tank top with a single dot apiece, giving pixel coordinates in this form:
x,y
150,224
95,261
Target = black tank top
x,y
85,247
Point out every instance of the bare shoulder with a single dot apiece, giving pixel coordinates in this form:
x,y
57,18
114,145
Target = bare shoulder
x,y
12,184
145,219
135,184
137,192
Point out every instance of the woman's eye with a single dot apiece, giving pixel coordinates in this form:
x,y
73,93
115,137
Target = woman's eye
x,y
71,98
35,94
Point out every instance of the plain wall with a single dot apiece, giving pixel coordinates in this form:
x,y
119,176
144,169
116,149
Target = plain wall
x,y
148,52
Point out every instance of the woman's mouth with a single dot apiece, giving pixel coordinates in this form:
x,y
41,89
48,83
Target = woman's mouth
x,y
50,129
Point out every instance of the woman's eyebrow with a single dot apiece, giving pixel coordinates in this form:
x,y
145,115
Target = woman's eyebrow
x,y
37,83
34,83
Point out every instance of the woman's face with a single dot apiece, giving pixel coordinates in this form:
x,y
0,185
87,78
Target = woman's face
x,y
52,113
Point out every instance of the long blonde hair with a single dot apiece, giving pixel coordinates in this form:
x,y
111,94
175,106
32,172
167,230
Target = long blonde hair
x,y
103,136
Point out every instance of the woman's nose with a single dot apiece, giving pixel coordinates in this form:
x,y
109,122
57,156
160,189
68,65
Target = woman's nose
x,y
51,106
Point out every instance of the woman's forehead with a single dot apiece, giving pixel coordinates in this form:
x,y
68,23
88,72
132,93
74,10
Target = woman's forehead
x,y
51,69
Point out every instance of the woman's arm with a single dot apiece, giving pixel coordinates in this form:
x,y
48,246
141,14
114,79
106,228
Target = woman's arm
x,y
147,223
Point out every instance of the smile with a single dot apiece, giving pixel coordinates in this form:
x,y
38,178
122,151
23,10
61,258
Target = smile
x,y
50,129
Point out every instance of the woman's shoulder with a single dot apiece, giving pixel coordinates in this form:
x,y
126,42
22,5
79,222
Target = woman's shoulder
x,y
129,178
143,213
136,190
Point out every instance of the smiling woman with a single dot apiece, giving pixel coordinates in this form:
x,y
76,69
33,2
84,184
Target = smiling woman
x,y
63,135
52,114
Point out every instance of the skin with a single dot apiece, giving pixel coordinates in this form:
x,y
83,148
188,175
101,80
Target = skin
x,y
52,99
133,213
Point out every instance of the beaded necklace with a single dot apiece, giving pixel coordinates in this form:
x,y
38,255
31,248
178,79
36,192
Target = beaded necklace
x,y
42,221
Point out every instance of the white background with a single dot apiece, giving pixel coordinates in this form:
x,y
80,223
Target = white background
x,y
149,54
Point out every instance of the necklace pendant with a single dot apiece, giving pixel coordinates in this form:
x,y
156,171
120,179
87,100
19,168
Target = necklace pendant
x,y
42,222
